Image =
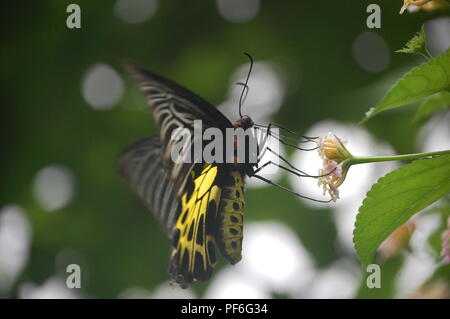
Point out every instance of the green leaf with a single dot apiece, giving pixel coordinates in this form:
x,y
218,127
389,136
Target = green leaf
x,y
429,78
395,198
432,104
416,45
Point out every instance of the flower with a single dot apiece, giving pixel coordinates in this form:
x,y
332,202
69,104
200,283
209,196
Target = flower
x,y
428,5
332,148
334,155
446,244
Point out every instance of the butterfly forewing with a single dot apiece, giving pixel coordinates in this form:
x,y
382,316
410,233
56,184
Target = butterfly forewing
x,y
175,107
141,166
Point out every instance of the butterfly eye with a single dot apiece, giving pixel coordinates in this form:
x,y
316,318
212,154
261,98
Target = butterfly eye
x,y
245,122
248,122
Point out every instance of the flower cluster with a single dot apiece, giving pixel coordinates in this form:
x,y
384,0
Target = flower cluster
x,y
428,5
334,154
446,244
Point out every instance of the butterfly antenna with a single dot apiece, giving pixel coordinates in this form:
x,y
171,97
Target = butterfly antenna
x,y
245,89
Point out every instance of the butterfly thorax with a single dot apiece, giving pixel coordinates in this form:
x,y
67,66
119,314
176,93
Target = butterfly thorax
x,y
244,122
245,168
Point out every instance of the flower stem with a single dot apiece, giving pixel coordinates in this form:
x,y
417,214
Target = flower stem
x,y
426,54
368,159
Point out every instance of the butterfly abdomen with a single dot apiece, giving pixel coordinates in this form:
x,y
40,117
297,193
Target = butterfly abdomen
x,y
230,217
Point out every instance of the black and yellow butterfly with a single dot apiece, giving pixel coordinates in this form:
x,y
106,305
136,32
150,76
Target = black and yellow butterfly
x,y
200,205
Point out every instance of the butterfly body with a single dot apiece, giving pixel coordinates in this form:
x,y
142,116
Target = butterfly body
x,y
231,216
199,205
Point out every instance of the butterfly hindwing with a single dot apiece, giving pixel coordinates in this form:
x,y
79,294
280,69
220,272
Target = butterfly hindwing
x,y
190,221
193,251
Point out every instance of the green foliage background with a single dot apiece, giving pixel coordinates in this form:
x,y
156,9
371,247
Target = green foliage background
x,y
46,120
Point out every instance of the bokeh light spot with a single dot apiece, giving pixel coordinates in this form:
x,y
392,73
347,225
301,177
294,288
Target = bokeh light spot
x,y
434,135
438,35
419,264
275,256
15,241
371,52
339,281
238,11
169,291
274,261
102,87
264,98
135,11
53,288
229,283
53,187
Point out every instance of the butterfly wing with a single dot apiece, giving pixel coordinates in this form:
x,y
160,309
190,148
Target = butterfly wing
x,y
193,248
140,164
175,107
190,221
185,197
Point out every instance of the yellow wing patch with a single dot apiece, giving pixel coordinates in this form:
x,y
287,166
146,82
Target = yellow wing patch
x,y
193,238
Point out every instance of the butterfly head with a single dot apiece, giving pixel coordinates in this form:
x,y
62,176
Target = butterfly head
x,y
244,122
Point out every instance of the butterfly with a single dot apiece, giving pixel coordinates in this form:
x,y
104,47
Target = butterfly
x,y
199,205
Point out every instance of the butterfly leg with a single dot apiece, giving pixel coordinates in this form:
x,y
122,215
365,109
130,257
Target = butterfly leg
x,y
297,137
292,170
282,138
263,142
288,190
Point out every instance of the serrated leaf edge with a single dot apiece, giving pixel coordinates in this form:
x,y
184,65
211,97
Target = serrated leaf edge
x,y
367,198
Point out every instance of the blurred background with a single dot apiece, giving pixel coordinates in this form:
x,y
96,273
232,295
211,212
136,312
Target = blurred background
x,y
68,109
